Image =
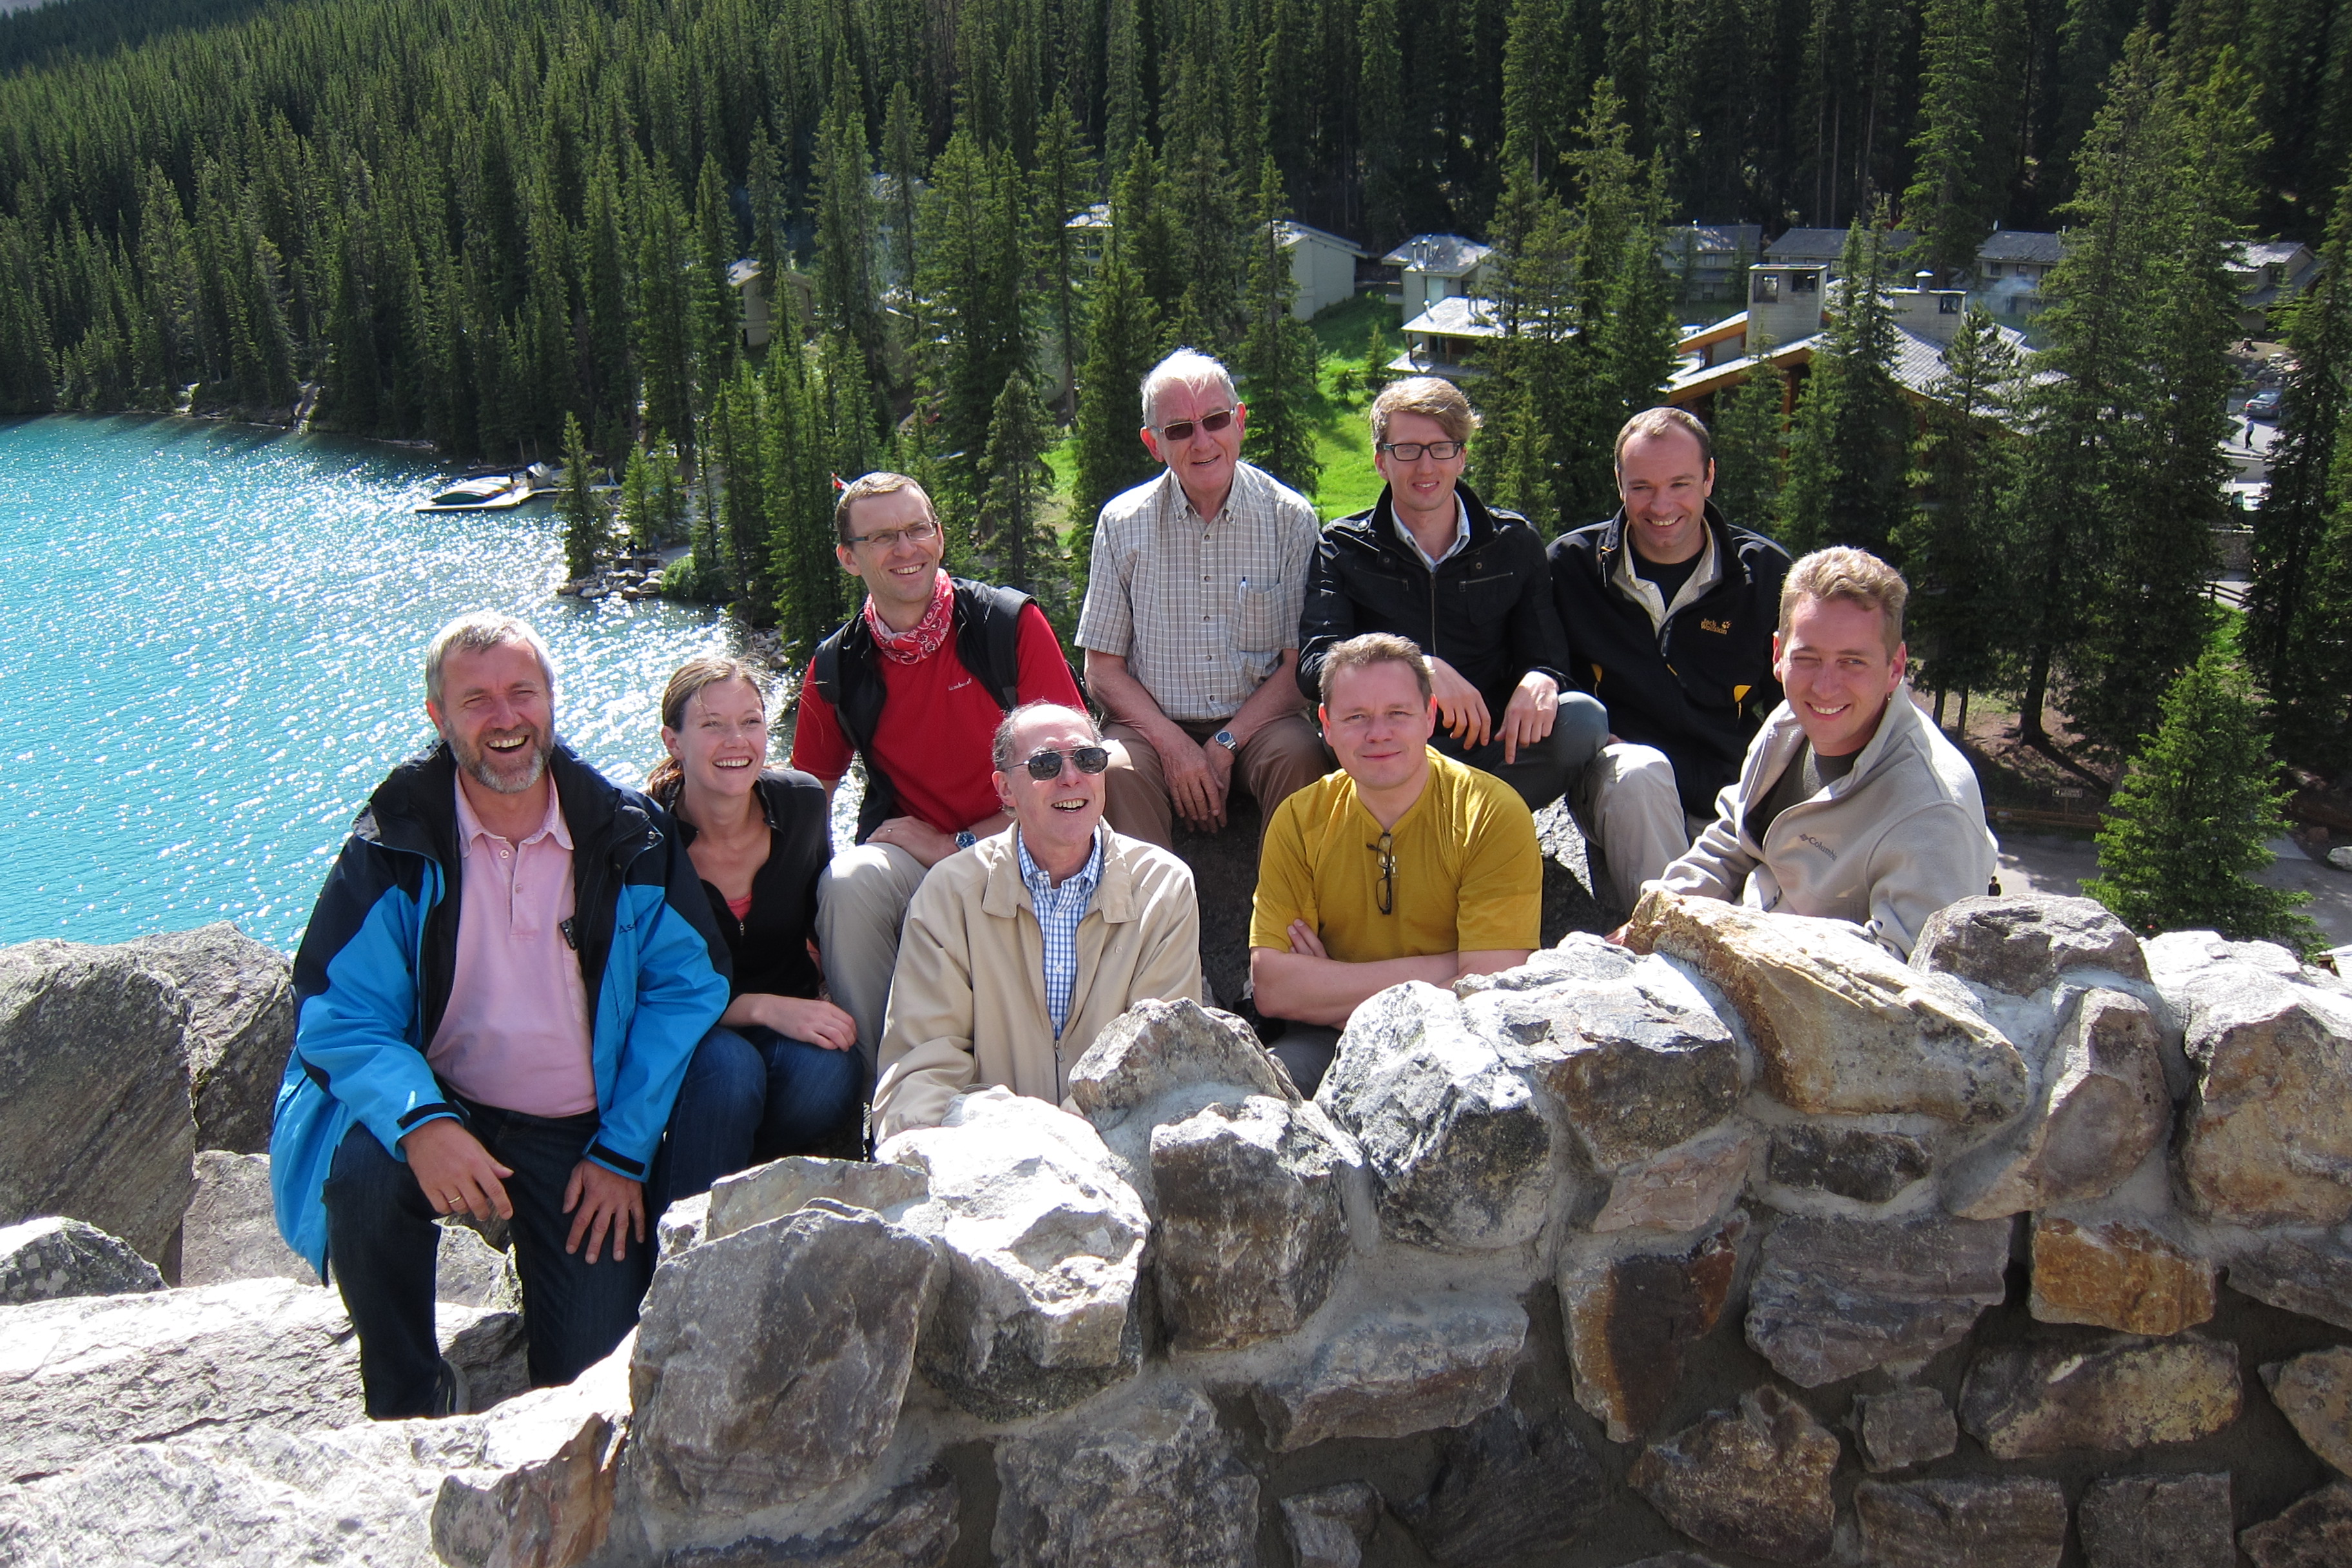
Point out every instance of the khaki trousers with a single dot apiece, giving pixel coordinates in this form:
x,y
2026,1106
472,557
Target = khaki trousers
x,y
861,903
1284,756
1626,804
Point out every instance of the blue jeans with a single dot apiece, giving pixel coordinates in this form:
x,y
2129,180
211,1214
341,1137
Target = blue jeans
x,y
382,1237
753,1095
1551,767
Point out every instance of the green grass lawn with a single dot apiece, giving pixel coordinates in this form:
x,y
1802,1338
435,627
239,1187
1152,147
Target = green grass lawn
x,y
1343,443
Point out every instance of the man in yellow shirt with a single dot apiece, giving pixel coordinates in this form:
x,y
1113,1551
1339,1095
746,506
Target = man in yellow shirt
x,y
1404,865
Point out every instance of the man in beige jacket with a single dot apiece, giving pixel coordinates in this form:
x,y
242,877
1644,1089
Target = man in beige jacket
x,y
1020,948
1850,804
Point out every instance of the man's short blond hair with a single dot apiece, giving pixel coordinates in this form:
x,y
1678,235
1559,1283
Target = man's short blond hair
x,y
1369,649
1653,422
1857,577
478,633
877,484
1431,397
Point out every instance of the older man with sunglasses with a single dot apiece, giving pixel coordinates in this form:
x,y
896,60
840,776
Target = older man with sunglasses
x,y
1016,955
1403,864
1191,626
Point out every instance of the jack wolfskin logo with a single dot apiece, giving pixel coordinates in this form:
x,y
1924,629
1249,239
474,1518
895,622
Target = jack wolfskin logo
x,y
1718,627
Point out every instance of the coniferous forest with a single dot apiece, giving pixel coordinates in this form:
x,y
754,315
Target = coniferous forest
x,y
505,227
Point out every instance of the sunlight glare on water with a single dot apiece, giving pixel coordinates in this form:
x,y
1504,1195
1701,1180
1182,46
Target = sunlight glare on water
x,y
212,651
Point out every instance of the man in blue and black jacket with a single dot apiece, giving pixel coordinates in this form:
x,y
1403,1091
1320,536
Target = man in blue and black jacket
x,y
498,1004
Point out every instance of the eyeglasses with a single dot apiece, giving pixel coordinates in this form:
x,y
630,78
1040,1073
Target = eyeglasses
x,y
887,540
1181,430
1411,451
1386,850
1048,764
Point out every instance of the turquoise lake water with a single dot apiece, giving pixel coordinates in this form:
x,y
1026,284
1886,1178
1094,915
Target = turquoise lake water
x,y
211,647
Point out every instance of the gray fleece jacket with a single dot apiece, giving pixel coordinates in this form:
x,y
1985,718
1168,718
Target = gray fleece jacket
x,y
1894,840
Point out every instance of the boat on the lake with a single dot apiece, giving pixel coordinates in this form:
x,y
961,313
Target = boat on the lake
x,y
492,490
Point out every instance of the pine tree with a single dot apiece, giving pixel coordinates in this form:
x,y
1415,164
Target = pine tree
x,y
715,326
802,578
1961,160
1064,179
2186,828
847,240
1013,530
1277,360
971,284
902,162
1122,345
1849,444
1949,547
664,321
587,525
2294,627
1749,432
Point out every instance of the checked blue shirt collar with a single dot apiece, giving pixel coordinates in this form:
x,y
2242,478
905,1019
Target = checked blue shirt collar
x,y
1059,911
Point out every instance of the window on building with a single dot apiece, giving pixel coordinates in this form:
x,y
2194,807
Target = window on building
x,y
1767,288
1805,283
1948,305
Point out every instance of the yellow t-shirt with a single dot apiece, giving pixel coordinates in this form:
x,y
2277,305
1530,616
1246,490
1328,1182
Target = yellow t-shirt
x,y
1469,876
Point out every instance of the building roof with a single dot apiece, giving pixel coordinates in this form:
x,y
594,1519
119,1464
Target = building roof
x,y
1456,316
1292,233
1826,243
1095,216
2268,253
2021,244
1918,365
1715,238
741,272
1441,255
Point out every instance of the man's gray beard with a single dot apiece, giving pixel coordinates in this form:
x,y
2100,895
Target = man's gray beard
x,y
479,764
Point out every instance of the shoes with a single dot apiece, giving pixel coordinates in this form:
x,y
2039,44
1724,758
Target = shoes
x,y
452,1396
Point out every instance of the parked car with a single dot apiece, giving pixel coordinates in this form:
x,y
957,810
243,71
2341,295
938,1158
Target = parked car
x,y
2265,403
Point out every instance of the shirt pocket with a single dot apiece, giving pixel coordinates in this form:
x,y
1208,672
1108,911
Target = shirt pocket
x,y
1257,621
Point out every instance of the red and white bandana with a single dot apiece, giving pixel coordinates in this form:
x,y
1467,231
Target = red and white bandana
x,y
915,645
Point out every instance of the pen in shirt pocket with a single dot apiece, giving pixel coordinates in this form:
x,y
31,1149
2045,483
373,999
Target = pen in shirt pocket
x,y
1243,592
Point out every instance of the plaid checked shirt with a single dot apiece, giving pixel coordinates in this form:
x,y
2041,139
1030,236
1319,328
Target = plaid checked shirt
x,y
1200,611
1059,911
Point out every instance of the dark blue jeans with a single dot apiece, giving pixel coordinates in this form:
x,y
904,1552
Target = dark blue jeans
x,y
1550,768
761,1096
382,1236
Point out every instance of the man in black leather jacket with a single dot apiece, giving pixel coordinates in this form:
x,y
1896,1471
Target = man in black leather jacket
x,y
1668,612
1465,583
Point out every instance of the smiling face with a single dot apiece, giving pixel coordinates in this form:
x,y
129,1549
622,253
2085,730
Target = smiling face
x,y
1056,815
1665,482
1421,492
1204,461
898,574
1378,724
1838,672
497,715
721,740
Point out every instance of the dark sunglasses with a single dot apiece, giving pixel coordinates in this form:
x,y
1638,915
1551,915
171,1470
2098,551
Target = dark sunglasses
x,y
1182,429
1048,764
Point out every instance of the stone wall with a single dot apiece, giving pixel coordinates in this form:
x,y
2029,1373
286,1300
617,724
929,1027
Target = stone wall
x,y
1742,1244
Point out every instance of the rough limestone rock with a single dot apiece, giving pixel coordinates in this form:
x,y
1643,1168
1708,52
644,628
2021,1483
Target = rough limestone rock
x,y
1408,1367
2021,943
910,1526
2103,1106
1631,1319
94,1117
1754,1480
2314,1391
1155,1485
1638,1064
2015,1521
1673,1559
84,1373
681,1225
513,1488
1044,1243
467,1269
1683,1188
539,1490
1841,1028
1507,1485
1580,955
2158,1521
1328,1527
2031,1401
2117,1275
240,998
2314,1533
231,1231
1870,1167
1156,1045
1460,1153
2297,1277
48,1260
1835,1297
2267,1138
772,1363
1252,1233
783,1186
1904,1427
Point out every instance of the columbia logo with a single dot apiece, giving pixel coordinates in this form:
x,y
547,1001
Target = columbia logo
x,y
1718,627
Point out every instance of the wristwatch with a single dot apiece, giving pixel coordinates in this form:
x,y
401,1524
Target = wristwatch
x,y
964,840
1226,738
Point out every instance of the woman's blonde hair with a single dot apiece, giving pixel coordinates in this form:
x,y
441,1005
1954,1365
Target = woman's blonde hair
x,y
703,669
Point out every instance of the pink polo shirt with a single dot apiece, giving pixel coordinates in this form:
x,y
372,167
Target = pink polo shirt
x,y
516,1031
